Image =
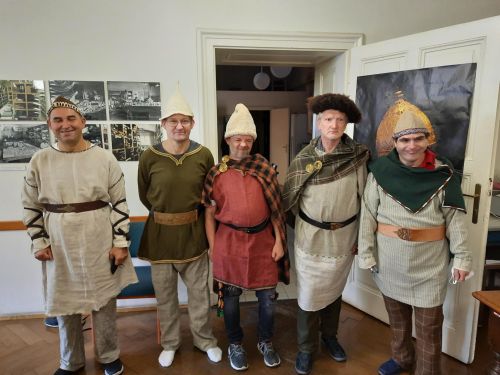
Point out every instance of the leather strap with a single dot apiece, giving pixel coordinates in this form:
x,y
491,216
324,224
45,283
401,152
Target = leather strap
x,y
75,207
413,234
328,225
250,230
181,218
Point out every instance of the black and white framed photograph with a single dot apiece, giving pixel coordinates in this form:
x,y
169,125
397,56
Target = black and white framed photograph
x,y
22,100
128,141
96,134
87,95
134,101
18,142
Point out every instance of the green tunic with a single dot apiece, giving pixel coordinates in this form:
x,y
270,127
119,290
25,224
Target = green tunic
x,y
173,184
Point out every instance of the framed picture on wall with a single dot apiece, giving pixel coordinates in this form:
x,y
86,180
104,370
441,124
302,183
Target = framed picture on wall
x,y
87,95
18,142
128,141
134,101
22,100
96,134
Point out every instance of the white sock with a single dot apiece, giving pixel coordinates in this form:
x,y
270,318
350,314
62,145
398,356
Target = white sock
x,y
214,354
166,358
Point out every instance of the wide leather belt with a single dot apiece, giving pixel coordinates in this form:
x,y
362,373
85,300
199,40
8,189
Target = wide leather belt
x,y
181,218
413,234
250,230
326,224
75,207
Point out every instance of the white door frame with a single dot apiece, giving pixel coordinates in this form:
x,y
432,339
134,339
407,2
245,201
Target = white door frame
x,y
209,39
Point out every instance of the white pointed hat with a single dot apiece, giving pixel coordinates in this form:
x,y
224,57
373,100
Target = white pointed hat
x,y
177,103
240,123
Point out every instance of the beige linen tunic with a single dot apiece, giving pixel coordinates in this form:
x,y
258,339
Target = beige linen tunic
x,y
414,273
79,279
323,258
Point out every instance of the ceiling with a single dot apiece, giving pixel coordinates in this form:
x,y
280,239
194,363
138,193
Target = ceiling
x,y
271,57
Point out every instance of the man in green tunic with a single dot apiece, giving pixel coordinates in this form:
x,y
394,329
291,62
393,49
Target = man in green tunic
x,y
412,217
170,182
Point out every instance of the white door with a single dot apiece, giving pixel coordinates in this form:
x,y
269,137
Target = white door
x,y
475,42
279,134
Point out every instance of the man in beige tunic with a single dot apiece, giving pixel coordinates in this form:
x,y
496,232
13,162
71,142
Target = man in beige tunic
x,y
412,217
77,217
323,186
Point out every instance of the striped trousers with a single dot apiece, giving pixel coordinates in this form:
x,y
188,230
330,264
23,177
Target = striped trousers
x,y
428,328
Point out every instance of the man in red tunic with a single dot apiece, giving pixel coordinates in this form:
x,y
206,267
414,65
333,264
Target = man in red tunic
x,y
245,230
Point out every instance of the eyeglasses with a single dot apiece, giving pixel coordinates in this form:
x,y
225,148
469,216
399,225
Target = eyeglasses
x,y
173,123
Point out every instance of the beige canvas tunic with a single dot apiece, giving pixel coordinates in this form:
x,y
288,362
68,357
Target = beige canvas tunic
x,y
79,279
414,273
323,258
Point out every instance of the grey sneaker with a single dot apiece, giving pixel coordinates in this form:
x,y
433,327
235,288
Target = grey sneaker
x,y
271,356
237,357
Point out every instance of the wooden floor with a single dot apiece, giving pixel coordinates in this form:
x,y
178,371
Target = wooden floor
x,y
28,347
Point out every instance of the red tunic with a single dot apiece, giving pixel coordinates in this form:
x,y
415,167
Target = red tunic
x,y
242,259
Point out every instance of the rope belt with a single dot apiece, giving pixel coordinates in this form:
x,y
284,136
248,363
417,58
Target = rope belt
x,y
75,207
250,230
413,234
326,224
181,218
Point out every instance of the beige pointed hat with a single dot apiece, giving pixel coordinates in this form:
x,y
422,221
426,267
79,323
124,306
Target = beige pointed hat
x,y
409,123
177,103
241,123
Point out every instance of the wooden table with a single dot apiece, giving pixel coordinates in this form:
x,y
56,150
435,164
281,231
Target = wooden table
x,y
491,298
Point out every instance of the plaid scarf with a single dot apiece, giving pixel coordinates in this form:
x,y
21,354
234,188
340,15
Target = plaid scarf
x,y
311,167
257,166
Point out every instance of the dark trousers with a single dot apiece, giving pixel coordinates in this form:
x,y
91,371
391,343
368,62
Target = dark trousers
x,y
267,303
309,323
428,328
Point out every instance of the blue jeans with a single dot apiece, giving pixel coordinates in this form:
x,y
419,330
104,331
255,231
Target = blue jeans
x,y
267,301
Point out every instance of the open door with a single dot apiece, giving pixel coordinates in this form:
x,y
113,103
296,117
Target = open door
x,y
279,134
475,42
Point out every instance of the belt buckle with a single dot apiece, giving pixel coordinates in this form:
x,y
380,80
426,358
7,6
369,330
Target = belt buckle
x,y
404,233
334,226
66,208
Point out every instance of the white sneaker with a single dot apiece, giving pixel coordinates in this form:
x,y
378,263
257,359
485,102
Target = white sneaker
x,y
166,358
214,354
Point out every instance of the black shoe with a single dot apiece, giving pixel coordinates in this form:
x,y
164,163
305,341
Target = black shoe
x,y
60,371
334,349
51,322
390,367
303,363
113,368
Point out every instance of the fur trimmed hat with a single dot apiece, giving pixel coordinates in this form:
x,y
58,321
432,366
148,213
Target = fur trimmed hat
x,y
62,102
241,123
177,103
338,102
409,123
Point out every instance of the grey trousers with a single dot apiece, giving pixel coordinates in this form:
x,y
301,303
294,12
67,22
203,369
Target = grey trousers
x,y
195,275
71,337
309,323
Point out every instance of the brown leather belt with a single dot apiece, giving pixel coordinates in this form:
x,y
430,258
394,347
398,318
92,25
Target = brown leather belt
x,y
181,218
413,234
75,207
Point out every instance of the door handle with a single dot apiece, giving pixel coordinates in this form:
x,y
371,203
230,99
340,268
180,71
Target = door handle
x,y
475,205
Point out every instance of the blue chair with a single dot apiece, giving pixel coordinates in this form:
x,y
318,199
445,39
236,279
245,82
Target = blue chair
x,y
144,288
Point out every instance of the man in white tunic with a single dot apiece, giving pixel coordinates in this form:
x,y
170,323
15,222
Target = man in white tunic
x,y
77,217
323,186
412,217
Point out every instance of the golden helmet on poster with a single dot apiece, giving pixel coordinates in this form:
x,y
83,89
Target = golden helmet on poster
x,y
384,142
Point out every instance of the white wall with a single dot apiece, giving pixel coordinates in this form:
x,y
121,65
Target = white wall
x,y
155,40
